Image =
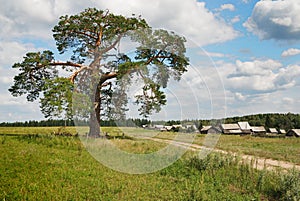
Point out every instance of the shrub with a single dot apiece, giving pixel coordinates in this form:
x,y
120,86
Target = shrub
x,y
289,186
212,161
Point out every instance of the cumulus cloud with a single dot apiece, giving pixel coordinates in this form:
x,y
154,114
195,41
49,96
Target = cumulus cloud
x,y
262,76
235,19
12,51
240,96
290,52
275,20
229,7
191,18
287,77
257,67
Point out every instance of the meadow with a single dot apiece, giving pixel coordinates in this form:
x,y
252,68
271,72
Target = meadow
x,y
37,165
284,149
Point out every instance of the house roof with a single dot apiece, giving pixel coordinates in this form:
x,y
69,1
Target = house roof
x,y
205,128
235,131
294,132
168,127
282,131
158,126
273,130
244,125
258,129
230,126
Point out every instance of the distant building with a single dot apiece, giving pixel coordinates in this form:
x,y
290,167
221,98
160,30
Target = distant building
x,y
210,130
245,127
169,128
273,130
231,129
258,130
282,131
293,133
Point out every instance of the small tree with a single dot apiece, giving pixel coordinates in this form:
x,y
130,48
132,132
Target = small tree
x,y
99,72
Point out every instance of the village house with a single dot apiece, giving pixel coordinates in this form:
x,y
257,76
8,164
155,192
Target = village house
x,y
231,129
258,130
282,131
210,130
273,131
293,133
245,127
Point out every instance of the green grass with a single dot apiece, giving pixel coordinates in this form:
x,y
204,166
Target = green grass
x,y
285,149
47,167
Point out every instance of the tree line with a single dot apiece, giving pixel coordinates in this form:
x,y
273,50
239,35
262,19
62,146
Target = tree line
x,y
280,121
58,122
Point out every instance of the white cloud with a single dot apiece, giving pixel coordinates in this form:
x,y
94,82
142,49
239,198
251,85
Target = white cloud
x,y
290,52
212,54
33,18
287,100
240,96
256,67
11,51
288,77
275,20
259,76
229,7
235,19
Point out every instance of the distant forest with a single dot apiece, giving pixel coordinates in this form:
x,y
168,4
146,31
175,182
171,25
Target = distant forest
x,y
55,123
280,121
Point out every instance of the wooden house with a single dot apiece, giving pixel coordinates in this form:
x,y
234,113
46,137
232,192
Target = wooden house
x,y
273,131
231,129
258,130
245,127
282,131
293,133
210,130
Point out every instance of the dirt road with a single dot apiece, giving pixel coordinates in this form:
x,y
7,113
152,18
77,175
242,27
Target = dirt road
x,y
258,162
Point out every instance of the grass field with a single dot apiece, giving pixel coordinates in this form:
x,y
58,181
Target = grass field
x,y
285,149
48,167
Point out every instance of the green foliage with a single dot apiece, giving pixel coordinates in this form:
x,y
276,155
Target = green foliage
x,y
33,75
151,100
92,28
94,37
289,186
57,98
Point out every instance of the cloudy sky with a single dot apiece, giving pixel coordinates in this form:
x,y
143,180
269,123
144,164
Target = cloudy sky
x,y
245,54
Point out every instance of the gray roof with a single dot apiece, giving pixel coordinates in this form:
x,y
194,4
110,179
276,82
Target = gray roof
x,y
258,129
230,126
244,125
273,130
294,131
282,131
205,128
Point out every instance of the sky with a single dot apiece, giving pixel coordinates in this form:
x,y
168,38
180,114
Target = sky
x,y
245,54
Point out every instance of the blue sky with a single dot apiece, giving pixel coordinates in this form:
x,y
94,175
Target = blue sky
x,y
244,53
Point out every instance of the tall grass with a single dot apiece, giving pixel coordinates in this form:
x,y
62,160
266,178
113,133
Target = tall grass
x,y
47,167
285,149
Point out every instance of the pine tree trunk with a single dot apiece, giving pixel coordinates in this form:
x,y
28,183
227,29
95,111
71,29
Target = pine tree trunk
x,y
94,126
95,114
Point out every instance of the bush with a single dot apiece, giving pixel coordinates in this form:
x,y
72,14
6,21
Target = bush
x,y
289,189
212,161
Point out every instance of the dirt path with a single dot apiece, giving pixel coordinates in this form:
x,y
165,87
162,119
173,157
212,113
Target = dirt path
x,y
258,162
